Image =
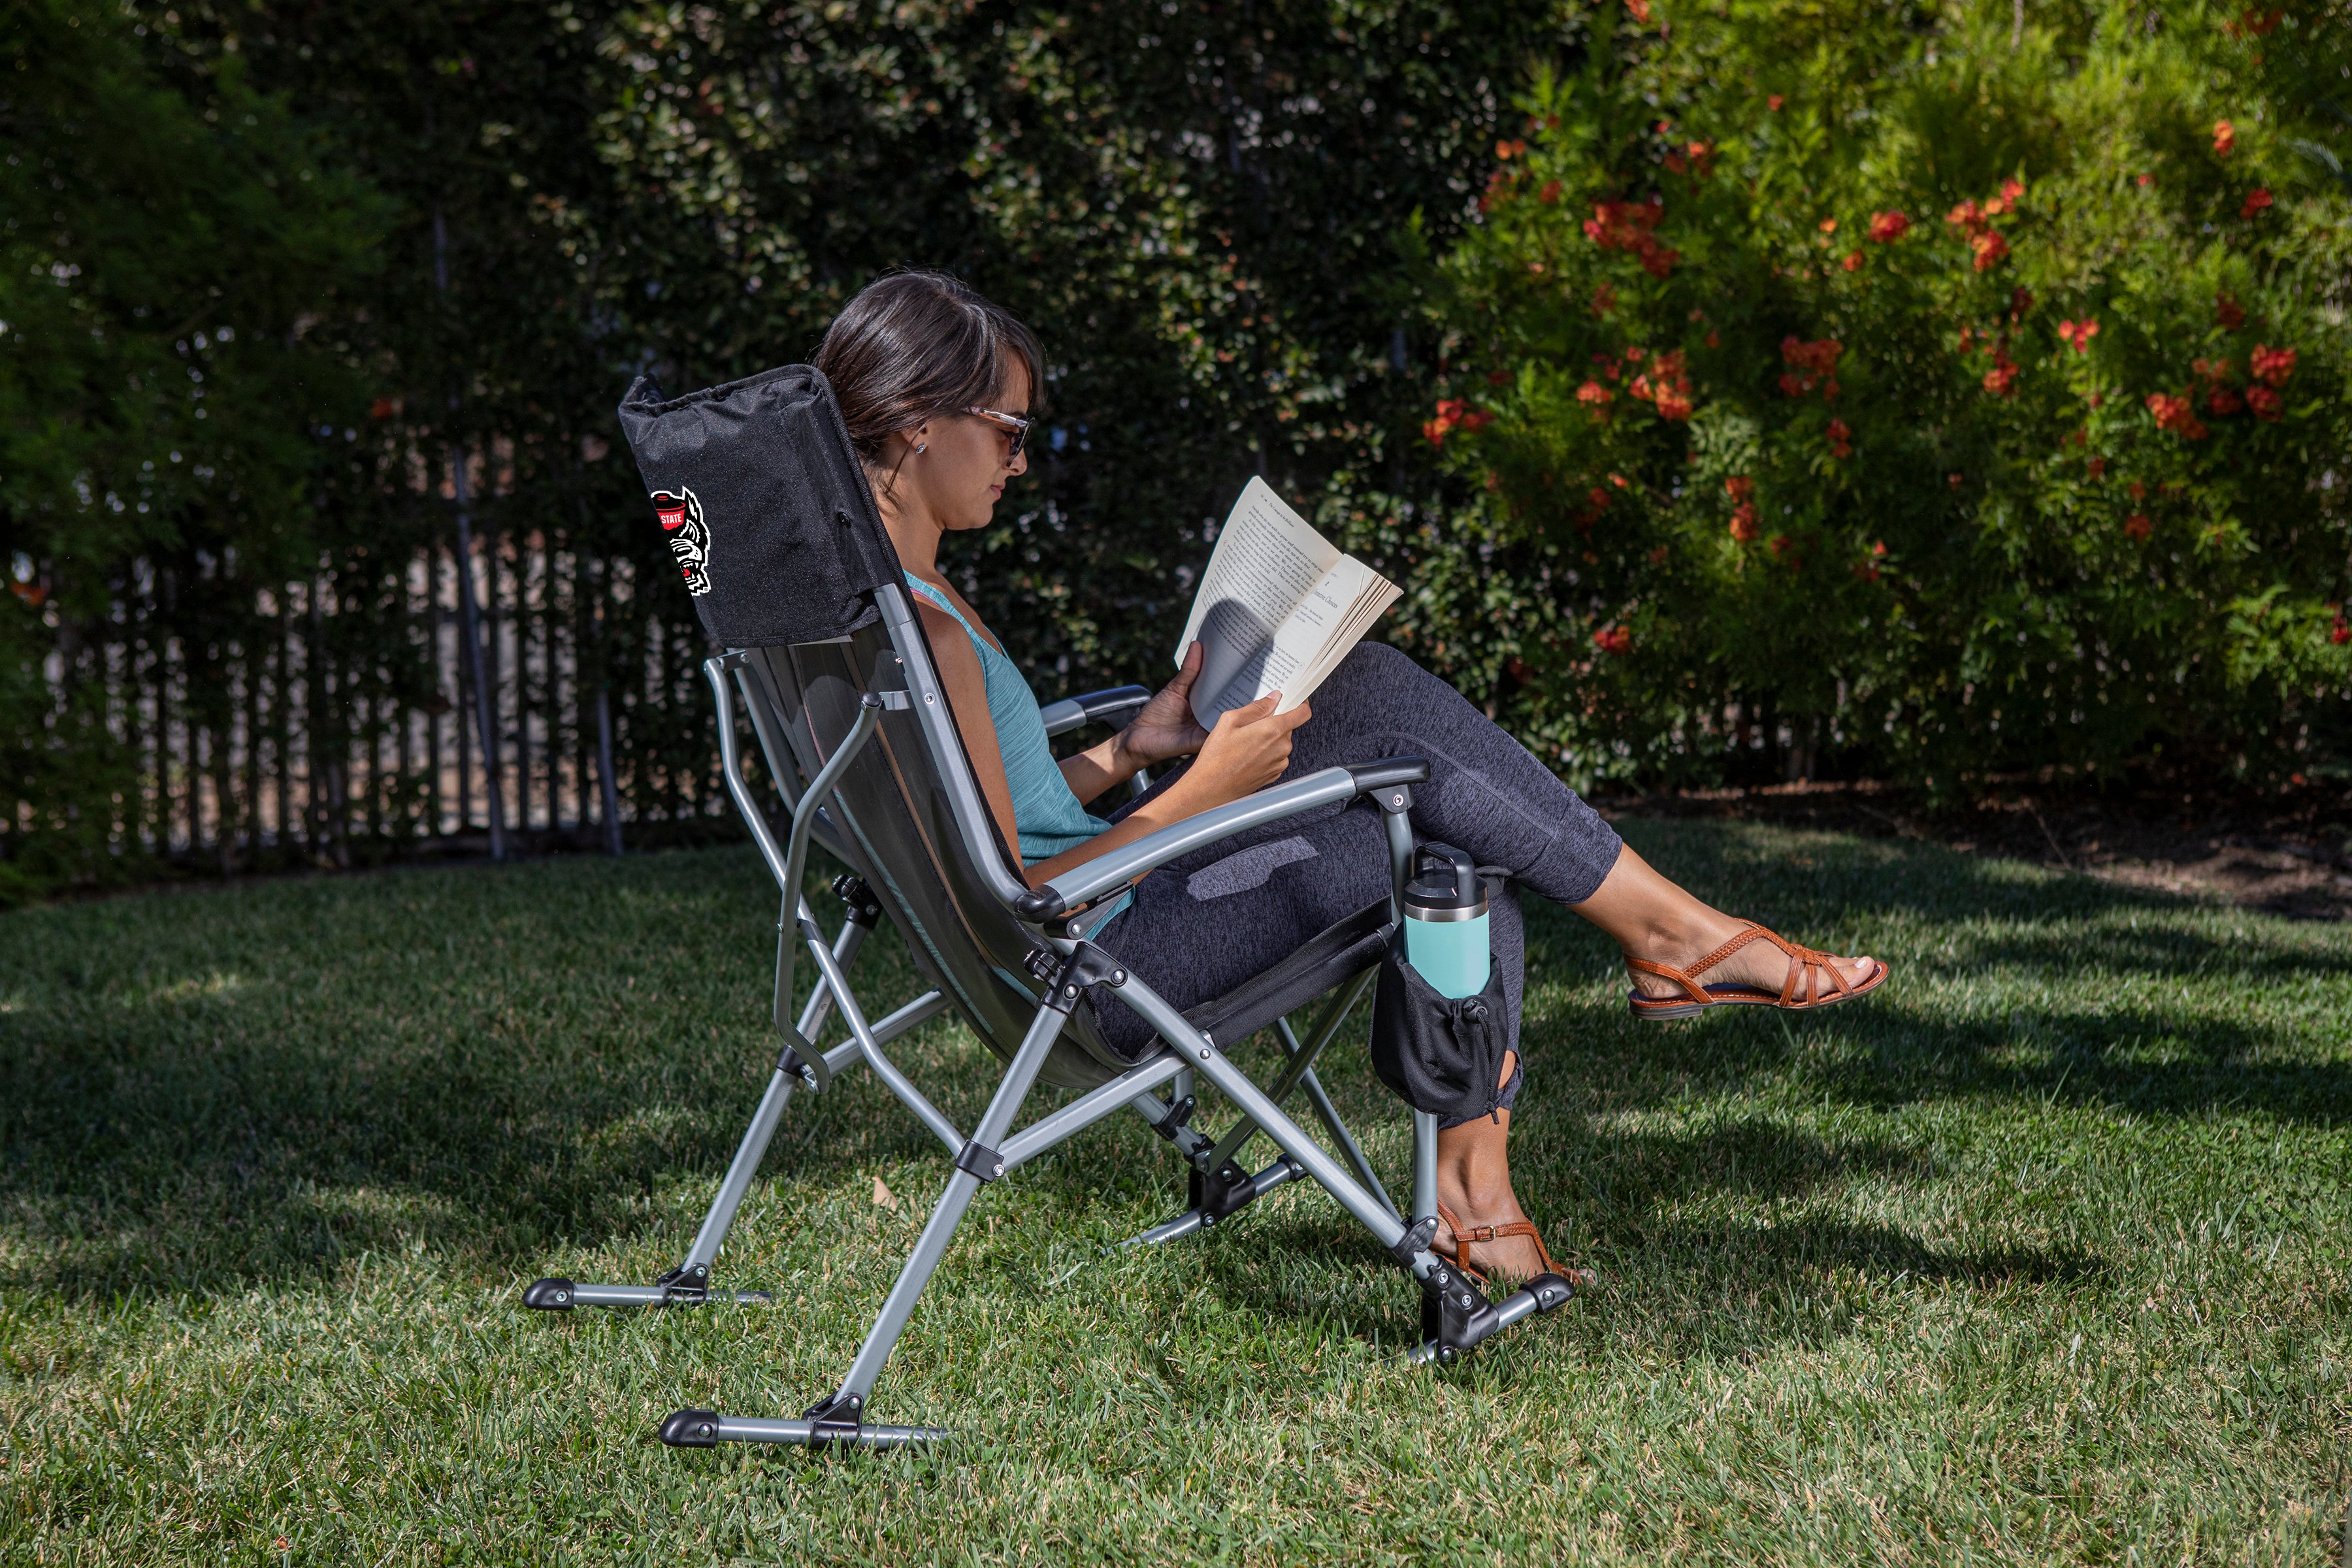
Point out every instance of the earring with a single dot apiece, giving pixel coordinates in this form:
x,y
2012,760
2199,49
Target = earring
x,y
922,447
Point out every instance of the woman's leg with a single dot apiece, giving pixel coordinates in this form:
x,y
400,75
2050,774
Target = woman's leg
x,y
1488,797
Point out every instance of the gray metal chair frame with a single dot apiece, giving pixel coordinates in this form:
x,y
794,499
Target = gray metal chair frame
x,y
858,739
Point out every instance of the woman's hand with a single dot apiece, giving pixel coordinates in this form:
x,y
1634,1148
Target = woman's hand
x,y
1246,751
1164,727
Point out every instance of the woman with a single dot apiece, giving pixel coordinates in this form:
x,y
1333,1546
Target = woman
x,y
934,384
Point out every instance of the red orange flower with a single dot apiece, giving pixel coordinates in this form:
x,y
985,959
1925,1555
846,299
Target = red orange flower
x,y
1815,363
1453,414
1549,193
1614,639
1597,397
2079,333
1990,247
1774,103
2098,466
1626,226
2001,379
2138,526
2273,365
1640,9
2176,413
1840,440
2256,200
1853,263
2225,138
2229,313
2265,403
1888,226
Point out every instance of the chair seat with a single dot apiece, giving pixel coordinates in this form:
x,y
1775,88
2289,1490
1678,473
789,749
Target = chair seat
x,y
1334,956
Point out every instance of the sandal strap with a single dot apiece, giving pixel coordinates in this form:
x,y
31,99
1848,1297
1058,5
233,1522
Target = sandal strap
x,y
1752,933
1691,988
1463,1236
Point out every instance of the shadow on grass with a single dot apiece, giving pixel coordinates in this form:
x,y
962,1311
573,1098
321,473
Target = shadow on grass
x,y
202,1090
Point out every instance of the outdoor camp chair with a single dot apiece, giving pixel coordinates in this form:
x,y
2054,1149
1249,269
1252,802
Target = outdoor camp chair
x,y
857,738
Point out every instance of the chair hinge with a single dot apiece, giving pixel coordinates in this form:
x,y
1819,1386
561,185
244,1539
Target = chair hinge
x,y
810,1071
1170,1125
865,908
834,1419
683,1284
1415,1240
1087,965
977,1159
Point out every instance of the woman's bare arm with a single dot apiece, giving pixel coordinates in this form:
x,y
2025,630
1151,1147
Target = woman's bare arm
x,y
1245,753
967,694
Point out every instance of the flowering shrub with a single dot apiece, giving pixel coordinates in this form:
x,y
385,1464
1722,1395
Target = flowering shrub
x,y
1767,461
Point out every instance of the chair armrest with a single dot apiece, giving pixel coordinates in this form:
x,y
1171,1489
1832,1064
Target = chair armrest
x,y
1085,883
1071,712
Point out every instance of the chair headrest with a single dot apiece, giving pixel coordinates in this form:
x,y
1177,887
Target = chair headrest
x,y
764,505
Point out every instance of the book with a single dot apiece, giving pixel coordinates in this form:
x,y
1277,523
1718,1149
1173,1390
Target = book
x,y
1277,610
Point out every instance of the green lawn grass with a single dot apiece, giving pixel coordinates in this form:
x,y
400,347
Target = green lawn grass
x,y
2041,1256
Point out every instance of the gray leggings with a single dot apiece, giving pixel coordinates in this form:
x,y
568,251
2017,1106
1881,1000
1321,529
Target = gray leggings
x,y
1203,925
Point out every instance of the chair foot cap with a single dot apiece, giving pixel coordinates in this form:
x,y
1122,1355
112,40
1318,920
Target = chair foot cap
x,y
550,1294
691,1429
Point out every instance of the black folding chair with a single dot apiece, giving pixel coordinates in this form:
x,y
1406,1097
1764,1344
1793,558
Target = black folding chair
x,y
857,735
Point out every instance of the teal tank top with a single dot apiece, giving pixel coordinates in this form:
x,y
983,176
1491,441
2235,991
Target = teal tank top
x,y
1048,816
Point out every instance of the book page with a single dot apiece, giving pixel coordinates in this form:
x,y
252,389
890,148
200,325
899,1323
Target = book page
x,y
1268,559
1345,605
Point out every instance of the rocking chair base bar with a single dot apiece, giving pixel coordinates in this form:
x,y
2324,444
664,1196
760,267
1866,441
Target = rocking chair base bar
x,y
707,1429
1544,1293
562,1295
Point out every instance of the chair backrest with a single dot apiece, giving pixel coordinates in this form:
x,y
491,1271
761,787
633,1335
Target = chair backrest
x,y
770,472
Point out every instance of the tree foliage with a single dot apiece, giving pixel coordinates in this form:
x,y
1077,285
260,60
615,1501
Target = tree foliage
x,y
173,268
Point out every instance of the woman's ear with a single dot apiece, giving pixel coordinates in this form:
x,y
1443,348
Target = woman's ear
x,y
921,437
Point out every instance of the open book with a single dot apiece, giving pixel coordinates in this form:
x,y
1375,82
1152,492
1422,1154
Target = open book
x,y
1277,610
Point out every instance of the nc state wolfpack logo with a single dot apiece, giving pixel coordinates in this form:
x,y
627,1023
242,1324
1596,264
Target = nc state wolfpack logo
x,y
689,540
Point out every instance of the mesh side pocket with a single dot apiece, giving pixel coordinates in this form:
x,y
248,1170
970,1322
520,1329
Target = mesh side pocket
x,y
1435,1053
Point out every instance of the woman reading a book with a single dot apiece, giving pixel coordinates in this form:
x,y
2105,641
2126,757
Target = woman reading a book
x,y
934,384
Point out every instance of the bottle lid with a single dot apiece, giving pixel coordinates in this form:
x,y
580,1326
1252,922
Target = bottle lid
x,y
1445,886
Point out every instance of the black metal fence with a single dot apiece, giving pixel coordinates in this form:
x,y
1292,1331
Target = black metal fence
x,y
333,719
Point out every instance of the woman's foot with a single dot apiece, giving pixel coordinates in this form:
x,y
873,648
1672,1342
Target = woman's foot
x,y
1760,963
1658,921
1474,1195
1515,1257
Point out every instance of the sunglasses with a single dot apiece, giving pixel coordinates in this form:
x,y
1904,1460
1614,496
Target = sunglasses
x,y
1015,428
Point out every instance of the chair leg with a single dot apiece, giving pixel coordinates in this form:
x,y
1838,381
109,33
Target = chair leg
x,y
840,1417
689,1283
1218,1186
1457,1316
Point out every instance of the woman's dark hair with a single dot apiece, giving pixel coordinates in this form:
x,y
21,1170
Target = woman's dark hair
x,y
915,345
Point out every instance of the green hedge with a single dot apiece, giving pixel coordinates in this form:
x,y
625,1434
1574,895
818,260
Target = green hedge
x,y
1934,391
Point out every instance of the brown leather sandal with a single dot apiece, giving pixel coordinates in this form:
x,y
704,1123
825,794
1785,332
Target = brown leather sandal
x,y
1582,1279
1807,971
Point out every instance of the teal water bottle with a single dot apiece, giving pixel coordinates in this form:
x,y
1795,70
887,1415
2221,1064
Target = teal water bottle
x,y
1445,922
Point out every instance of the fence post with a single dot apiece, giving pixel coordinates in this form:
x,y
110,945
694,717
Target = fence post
x,y
484,711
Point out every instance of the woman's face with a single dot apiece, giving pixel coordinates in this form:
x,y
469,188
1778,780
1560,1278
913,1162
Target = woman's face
x,y
963,468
